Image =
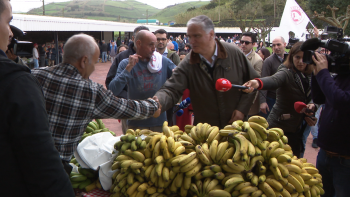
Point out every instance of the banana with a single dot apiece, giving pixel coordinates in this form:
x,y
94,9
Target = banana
x,y
227,155
143,187
251,149
244,143
274,184
273,162
188,138
212,135
311,170
207,173
257,119
279,131
252,136
143,145
205,184
254,160
228,132
234,181
284,170
312,182
179,150
162,142
187,158
133,188
267,189
171,144
292,180
127,163
215,168
276,172
271,148
277,152
273,135
219,175
308,165
257,151
189,166
235,166
248,190
124,147
194,170
193,133
293,168
153,141
221,150
261,178
204,130
167,155
213,149
257,193
199,131
219,193
212,184
159,159
237,154
284,158
306,176
298,177
202,155
194,189
255,180
136,165
260,129
122,157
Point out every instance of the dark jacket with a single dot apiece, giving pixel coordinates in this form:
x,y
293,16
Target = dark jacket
x,y
53,54
174,57
114,67
30,165
210,105
269,68
288,92
41,51
104,47
333,133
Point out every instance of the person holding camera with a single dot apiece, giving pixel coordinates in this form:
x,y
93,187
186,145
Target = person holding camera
x,y
292,81
333,159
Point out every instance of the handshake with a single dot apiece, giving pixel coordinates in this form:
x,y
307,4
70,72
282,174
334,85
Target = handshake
x,y
158,112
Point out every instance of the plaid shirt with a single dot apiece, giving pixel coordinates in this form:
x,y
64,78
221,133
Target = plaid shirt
x,y
72,102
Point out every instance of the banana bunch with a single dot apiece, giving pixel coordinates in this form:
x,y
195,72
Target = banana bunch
x,y
242,159
74,161
94,127
86,179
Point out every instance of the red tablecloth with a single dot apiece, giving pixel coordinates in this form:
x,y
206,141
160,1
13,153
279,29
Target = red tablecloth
x,y
97,193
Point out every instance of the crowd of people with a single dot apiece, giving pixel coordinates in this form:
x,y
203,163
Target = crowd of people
x,y
46,110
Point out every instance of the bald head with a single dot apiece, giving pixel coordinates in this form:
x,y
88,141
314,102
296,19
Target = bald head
x,y
170,46
145,43
279,39
279,46
77,47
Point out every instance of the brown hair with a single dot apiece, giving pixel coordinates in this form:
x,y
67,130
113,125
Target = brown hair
x,y
121,47
289,60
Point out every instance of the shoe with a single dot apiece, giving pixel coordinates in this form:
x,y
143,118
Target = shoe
x,y
314,143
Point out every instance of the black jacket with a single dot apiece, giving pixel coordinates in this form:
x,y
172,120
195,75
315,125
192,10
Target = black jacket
x,y
113,69
30,165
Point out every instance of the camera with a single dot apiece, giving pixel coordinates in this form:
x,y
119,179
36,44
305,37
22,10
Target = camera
x,y
291,42
20,48
339,57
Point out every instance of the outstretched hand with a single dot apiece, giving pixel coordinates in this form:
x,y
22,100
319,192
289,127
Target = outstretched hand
x,y
251,85
158,112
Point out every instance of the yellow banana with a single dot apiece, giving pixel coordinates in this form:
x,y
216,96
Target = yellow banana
x,y
212,135
248,190
193,133
276,172
187,183
255,180
311,170
202,155
212,184
186,159
271,148
188,138
228,132
153,141
243,142
194,170
237,154
179,150
292,180
273,162
257,119
279,131
213,149
273,135
274,184
234,181
235,166
267,189
219,193
306,176
221,150
219,175
163,142
189,166
284,170
260,129
293,168
166,174
215,168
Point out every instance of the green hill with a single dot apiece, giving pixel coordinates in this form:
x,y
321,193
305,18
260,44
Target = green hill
x,y
168,13
124,11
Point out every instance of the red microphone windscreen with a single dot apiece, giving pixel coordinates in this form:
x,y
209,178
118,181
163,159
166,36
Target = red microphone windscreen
x,y
300,107
223,85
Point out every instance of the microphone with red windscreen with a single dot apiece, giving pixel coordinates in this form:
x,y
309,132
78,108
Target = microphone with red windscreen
x,y
301,107
224,85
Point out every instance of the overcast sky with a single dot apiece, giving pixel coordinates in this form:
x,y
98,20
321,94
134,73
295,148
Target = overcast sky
x,y
26,5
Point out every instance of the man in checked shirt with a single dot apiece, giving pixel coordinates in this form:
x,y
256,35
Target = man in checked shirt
x,y
73,100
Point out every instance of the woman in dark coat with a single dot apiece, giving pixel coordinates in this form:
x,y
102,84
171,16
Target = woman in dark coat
x,y
292,81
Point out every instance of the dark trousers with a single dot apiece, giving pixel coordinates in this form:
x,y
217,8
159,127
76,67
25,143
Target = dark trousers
x,y
68,168
270,102
335,171
296,142
42,61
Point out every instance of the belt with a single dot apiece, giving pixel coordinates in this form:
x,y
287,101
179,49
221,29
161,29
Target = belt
x,y
331,154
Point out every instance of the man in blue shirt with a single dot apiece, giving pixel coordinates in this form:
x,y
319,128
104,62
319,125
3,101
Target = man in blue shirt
x,y
176,46
143,79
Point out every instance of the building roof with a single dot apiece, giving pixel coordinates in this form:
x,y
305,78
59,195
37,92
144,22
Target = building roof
x,y
51,23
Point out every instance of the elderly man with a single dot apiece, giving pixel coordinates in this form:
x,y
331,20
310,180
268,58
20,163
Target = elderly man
x,y
268,97
248,41
208,61
72,100
30,164
144,73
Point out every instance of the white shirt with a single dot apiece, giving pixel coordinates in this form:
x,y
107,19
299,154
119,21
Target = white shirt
x,y
35,53
249,53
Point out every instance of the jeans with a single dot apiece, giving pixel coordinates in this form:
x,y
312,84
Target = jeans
x,y
104,57
335,173
36,63
305,135
270,102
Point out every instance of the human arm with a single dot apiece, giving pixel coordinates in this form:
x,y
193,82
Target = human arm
x,y
336,97
176,59
265,72
109,106
121,78
43,173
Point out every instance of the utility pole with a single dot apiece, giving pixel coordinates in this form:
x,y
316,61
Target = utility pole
x,y
147,16
219,11
43,8
274,8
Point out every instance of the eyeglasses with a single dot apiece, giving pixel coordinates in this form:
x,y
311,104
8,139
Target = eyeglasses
x,y
161,39
245,42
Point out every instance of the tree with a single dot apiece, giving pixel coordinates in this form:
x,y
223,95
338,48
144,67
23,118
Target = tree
x,y
262,29
341,22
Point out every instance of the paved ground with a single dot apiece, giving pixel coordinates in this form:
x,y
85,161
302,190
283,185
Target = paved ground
x,y
99,76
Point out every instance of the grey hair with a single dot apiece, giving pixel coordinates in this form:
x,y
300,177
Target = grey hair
x,y
77,47
139,28
206,23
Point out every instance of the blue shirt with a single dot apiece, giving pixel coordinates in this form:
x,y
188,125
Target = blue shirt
x,y
176,46
142,84
3,53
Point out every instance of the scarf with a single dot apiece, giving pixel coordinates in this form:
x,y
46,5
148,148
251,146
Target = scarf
x,y
155,63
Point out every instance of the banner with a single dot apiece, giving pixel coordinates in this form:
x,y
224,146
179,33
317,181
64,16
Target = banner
x,y
293,19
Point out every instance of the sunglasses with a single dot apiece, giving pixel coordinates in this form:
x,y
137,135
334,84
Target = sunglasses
x,y
161,39
245,42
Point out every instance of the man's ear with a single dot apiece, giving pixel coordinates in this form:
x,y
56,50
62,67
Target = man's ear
x,y
84,62
211,33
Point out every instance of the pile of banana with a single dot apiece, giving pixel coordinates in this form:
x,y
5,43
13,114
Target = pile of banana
x,y
243,159
95,127
86,179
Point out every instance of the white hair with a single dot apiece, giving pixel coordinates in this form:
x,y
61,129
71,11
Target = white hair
x,y
204,21
78,46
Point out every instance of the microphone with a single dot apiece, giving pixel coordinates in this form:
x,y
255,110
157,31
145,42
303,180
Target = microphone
x,y
311,44
184,104
180,112
224,85
301,107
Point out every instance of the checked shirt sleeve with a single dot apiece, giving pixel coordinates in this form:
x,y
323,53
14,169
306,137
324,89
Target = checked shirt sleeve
x,y
109,106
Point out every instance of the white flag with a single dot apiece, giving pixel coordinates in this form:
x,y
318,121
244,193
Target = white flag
x,y
293,19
